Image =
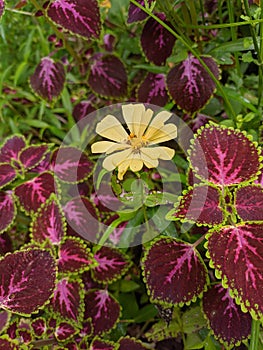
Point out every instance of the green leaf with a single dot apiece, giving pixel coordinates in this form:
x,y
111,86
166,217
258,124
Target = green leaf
x,y
146,313
193,320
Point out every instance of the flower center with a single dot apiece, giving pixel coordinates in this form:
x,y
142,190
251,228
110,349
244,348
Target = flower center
x,y
136,142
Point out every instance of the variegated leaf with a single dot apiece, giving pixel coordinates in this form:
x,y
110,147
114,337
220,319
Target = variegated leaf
x,y
7,210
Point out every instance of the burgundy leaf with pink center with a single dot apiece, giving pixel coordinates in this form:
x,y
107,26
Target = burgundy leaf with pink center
x,y
200,204
4,319
44,164
70,164
31,156
153,90
68,299
7,174
223,156
35,192
103,310
135,13
249,203
6,243
157,43
82,109
174,272
98,344
107,76
27,280
237,254
189,83
112,264
7,210
2,7
11,148
49,223
74,256
82,217
39,326
48,79
8,344
128,343
226,319
64,331
81,17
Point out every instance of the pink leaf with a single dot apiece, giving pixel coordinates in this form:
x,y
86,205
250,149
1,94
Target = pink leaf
x,y
48,79
32,155
64,331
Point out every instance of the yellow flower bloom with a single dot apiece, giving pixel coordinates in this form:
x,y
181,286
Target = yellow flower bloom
x,y
139,147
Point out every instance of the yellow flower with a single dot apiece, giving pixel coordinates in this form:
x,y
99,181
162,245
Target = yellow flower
x,y
139,147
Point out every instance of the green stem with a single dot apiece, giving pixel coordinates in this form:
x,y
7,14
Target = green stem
x,y
185,42
254,340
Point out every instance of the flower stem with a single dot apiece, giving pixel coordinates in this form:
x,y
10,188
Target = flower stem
x,y
254,335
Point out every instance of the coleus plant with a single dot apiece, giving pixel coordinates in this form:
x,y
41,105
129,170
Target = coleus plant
x,y
226,200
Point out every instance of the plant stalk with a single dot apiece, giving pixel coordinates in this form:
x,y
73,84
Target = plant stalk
x,y
254,340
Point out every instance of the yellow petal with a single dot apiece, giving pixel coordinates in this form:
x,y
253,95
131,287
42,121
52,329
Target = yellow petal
x,y
122,168
160,152
111,162
157,123
165,133
107,147
149,158
136,118
112,129
136,164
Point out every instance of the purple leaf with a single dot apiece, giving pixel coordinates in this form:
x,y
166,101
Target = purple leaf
x,y
64,331
27,280
7,210
33,193
237,254
153,90
135,13
81,17
228,322
107,76
11,148
70,164
82,218
157,43
112,264
39,326
128,343
68,299
98,344
5,243
173,271
8,344
44,165
49,223
48,79
32,155
4,319
82,109
7,174
2,7
103,310
109,42
249,203
201,205
74,256
189,83
223,156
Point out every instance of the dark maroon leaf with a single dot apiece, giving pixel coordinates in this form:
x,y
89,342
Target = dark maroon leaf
x,y
103,310
82,218
228,322
81,17
64,331
27,280
128,343
135,13
39,326
4,318
153,90
98,344
70,164
2,7
157,43
44,165
201,205
237,254
7,174
49,223
5,243
7,210
223,156
249,203
48,79
174,272
68,299
33,193
107,76
11,148
74,256
32,155
112,264
82,109
8,344
189,83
